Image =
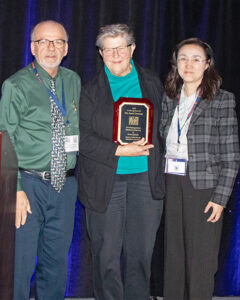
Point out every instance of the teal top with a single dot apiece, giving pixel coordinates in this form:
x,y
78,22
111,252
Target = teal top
x,y
25,113
127,86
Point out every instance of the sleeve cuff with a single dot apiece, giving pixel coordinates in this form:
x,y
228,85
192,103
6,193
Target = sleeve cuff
x,y
19,182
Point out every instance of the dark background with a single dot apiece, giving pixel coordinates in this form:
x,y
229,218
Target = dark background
x,y
158,26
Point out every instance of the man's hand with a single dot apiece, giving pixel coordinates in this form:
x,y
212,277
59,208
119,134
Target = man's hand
x,y
216,211
134,149
22,208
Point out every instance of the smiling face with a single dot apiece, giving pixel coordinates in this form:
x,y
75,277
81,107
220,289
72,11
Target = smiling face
x,y
117,61
49,57
191,63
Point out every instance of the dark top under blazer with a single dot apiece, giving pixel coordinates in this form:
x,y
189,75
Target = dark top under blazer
x,y
213,147
97,163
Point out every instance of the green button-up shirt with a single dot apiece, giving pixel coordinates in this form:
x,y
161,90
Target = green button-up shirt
x,y
25,113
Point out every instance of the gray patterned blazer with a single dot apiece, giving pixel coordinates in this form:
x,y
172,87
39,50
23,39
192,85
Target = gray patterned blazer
x,y
213,146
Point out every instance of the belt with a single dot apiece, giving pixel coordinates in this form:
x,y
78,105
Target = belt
x,y
45,175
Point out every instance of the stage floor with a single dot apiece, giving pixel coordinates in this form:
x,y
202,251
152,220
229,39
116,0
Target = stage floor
x,y
159,298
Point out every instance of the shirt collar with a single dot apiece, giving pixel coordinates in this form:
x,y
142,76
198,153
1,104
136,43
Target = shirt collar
x,y
44,74
191,98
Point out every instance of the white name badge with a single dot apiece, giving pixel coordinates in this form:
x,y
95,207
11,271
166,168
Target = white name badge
x,y
71,143
176,166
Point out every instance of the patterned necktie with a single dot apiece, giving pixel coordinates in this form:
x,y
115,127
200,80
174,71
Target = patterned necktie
x,y
58,155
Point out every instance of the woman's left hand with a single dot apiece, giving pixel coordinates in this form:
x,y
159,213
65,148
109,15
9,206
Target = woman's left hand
x,y
216,211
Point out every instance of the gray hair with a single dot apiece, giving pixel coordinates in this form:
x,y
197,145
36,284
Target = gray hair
x,y
115,30
45,22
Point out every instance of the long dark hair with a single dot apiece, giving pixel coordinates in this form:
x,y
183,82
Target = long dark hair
x,y
211,81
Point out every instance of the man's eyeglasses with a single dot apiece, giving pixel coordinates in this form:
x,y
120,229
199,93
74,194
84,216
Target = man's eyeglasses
x,y
121,50
194,60
44,43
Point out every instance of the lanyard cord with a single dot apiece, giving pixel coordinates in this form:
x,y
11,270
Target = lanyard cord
x,y
188,116
62,107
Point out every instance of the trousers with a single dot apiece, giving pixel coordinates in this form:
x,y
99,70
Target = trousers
x,y
46,236
122,240
191,243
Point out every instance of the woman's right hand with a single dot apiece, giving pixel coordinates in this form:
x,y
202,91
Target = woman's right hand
x,y
134,149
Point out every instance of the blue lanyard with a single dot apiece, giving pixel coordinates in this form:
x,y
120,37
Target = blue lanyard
x,y
62,107
188,116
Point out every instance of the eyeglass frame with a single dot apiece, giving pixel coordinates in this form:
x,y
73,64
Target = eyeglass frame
x,y
115,48
51,41
193,60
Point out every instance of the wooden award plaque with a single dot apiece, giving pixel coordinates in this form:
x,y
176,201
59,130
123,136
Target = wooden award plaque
x,y
133,120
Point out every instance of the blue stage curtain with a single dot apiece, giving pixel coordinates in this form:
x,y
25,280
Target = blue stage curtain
x,y
158,25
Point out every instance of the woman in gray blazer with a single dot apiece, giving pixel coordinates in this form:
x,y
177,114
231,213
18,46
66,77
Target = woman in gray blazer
x,y
202,159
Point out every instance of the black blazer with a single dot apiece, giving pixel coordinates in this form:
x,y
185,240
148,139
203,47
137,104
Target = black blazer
x,y
97,162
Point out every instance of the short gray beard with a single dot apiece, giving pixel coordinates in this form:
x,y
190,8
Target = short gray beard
x,y
52,66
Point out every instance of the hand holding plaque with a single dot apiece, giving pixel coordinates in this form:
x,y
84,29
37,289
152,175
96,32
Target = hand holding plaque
x,y
133,120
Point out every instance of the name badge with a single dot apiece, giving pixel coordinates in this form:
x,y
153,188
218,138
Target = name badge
x,y
176,166
71,143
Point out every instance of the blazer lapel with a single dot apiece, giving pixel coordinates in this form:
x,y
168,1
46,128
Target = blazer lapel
x,y
202,105
106,104
171,107
172,104
167,116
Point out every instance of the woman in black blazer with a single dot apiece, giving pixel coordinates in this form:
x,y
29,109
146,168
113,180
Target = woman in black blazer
x,y
202,159
121,186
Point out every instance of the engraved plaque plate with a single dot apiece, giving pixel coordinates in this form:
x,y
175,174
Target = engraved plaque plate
x,y
133,120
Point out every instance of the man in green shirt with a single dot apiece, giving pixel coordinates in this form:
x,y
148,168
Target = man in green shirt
x,y
39,109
